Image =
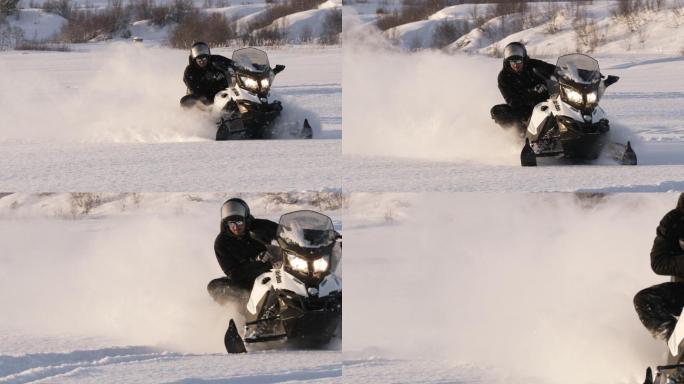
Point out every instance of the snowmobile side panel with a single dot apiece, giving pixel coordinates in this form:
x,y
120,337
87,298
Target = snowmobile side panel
x,y
262,285
541,112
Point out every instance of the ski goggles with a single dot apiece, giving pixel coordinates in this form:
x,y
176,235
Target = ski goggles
x,y
202,58
236,226
515,60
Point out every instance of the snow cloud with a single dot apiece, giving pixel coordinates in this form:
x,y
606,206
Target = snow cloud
x,y
424,105
537,287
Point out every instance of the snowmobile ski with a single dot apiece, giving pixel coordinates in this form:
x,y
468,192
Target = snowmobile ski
x,y
629,157
649,376
307,132
527,155
232,340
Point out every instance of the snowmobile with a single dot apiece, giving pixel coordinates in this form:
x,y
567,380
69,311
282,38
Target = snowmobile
x,y
673,371
299,301
571,123
244,109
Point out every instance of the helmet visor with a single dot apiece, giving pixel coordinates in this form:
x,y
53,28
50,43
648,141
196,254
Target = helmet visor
x,y
233,208
514,50
199,50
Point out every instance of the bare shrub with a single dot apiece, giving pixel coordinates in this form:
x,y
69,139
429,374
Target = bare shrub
x,y
330,201
587,34
332,27
213,29
84,26
281,9
10,36
448,31
63,8
8,7
506,8
41,46
82,203
411,10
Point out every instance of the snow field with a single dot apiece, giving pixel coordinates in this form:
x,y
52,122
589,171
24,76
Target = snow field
x,y
119,294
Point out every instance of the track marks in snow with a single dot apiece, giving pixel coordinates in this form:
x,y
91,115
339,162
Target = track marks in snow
x,y
41,366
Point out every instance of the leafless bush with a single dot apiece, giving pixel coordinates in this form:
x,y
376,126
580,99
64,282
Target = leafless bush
x,y
553,13
281,9
7,7
332,27
41,46
83,203
10,36
63,8
587,34
213,29
275,34
448,31
506,8
625,8
86,25
330,201
411,10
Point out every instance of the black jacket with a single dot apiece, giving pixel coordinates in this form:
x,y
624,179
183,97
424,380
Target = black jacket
x,y
237,255
518,88
667,257
207,81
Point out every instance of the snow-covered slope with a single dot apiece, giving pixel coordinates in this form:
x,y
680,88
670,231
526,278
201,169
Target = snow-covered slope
x,y
499,288
36,24
549,28
111,288
306,25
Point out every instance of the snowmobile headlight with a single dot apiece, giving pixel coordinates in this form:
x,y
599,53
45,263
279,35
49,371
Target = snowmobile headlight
x,y
592,98
573,96
265,84
250,83
297,263
321,265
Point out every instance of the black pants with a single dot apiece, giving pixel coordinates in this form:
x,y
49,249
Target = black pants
x,y
659,306
224,290
507,116
189,101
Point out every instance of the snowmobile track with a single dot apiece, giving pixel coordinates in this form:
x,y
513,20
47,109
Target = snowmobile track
x,y
42,366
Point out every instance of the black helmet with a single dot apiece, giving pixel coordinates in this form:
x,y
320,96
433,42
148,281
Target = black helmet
x,y
515,51
199,49
234,208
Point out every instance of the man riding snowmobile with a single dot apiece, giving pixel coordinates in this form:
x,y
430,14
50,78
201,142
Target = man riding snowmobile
x,y
520,86
240,251
660,306
205,75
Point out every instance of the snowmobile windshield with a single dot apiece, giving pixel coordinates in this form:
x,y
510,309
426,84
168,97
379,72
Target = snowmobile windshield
x,y
306,230
251,60
578,68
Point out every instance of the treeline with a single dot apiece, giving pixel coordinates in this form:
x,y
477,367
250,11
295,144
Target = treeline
x,y
187,22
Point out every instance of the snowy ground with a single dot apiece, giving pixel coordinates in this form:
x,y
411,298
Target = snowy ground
x,y
499,288
430,128
106,117
118,295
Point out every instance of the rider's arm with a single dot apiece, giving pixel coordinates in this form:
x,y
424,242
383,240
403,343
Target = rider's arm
x,y
511,95
226,261
190,81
